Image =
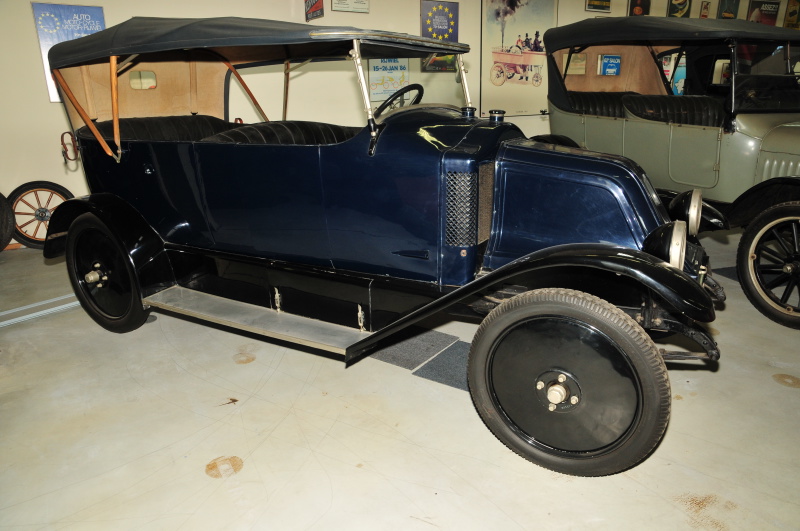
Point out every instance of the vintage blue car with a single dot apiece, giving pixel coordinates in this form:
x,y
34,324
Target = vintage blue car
x,y
338,237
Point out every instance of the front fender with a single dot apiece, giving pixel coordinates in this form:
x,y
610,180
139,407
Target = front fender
x,y
760,197
144,246
679,292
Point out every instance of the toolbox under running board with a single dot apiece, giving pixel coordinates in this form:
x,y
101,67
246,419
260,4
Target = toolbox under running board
x,y
258,320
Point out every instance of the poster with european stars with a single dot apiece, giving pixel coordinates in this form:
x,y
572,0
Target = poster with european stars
x,y
439,20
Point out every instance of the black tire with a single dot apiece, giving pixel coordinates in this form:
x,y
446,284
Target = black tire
x,y
558,140
6,222
114,301
768,263
33,204
608,364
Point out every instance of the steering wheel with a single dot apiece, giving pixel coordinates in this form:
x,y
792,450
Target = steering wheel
x,y
390,100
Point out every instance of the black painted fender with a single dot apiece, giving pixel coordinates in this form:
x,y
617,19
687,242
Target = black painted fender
x,y
144,246
677,290
762,196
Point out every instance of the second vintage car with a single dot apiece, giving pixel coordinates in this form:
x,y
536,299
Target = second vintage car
x,y
338,237
699,104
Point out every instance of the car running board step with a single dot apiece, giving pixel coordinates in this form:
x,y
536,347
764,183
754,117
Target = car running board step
x,y
257,319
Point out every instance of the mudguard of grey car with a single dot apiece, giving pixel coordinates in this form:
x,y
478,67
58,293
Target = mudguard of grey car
x,y
678,291
762,196
144,246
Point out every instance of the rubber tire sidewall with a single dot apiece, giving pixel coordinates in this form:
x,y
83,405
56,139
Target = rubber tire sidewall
x,y
648,365
21,190
135,315
6,222
746,274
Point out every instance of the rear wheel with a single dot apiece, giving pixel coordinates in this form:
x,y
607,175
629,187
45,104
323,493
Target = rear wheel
x,y
768,263
498,74
102,276
33,204
569,382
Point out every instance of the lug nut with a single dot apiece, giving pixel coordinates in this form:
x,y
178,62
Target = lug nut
x,y
574,400
557,394
551,407
540,385
562,378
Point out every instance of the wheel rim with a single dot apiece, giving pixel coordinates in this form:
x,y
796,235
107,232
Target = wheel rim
x,y
526,362
32,211
775,264
497,75
111,292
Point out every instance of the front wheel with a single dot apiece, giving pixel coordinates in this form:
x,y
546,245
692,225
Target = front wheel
x,y
569,382
768,263
102,276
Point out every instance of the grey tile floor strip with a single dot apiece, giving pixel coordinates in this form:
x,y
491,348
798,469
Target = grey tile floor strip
x,y
41,313
448,367
418,347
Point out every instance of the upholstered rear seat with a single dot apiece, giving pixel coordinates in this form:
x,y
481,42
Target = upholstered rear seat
x,y
598,103
684,110
287,133
162,128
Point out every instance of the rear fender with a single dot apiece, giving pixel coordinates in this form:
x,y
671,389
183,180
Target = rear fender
x,y
144,246
760,197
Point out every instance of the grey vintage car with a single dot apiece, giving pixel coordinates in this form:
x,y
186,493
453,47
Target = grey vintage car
x,y
731,127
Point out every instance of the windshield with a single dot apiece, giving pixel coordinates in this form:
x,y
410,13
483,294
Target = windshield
x,y
767,78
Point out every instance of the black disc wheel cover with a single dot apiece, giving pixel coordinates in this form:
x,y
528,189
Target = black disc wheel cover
x,y
609,405
114,298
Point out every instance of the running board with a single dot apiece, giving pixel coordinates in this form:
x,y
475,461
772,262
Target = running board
x,y
257,319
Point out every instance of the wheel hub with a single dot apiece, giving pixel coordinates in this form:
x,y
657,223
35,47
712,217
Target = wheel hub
x,y
97,275
558,391
41,214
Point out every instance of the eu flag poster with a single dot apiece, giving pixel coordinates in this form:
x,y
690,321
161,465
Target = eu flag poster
x,y
57,23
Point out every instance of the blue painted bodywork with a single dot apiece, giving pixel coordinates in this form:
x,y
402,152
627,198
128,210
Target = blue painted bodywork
x,y
336,206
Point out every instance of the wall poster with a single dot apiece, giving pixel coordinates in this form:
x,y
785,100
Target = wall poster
x,y
513,55
353,6
763,11
314,9
679,8
792,17
728,9
439,20
638,8
58,23
604,6
386,76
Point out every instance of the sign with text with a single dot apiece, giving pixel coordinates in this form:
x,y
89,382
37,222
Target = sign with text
x,y
354,6
58,23
608,65
386,76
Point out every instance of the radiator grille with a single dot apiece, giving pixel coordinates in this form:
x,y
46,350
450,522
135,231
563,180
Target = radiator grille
x,y
462,209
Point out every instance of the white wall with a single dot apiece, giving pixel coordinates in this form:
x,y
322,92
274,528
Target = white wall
x,y
29,138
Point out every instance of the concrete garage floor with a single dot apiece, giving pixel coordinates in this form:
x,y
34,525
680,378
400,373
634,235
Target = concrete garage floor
x,y
182,426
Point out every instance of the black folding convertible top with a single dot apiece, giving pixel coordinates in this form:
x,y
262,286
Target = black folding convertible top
x,y
227,36
617,30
